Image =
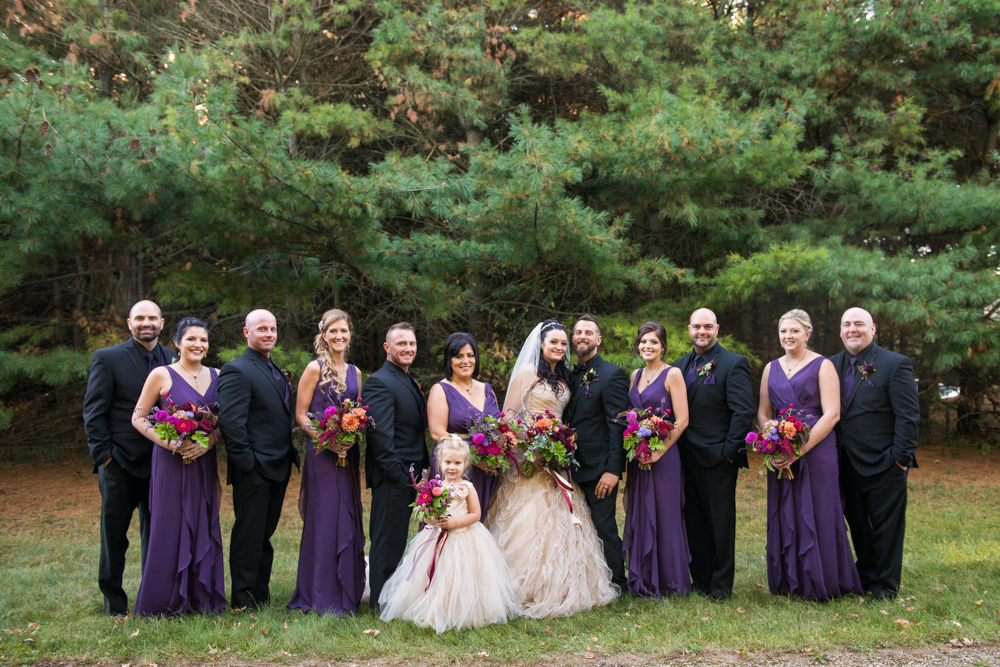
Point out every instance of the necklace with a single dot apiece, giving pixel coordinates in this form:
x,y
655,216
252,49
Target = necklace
x,y
467,391
647,379
193,375
789,369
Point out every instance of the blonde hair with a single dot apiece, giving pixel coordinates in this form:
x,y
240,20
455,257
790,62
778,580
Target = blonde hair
x,y
800,316
329,372
453,443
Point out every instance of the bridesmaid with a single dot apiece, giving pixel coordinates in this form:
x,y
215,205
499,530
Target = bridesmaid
x,y
808,554
331,576
183,570
456,400
655,539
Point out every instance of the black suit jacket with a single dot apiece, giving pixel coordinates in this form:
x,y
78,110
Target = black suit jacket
x,y
117,375
399,412
720,414
599,439
255,424
879,425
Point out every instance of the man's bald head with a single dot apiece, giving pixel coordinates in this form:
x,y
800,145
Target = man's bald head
x,y
145,323
704,330
857,330
261,331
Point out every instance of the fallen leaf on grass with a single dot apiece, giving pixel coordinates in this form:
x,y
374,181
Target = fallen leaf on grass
x,y
910,598
593,639
960,643
211,651
972,589
253,617
902,622
549,630
909,608
560,636
286,654
957,624
978,603
134,634
238,610
807,650
483,654
286,626
861,602
33,627
760,586
373,633
263,631
938,590
704,618
741,610
883,612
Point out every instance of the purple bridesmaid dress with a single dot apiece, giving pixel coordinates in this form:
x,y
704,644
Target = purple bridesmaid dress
x,y
183,570
654,540
808,554
460,414
331,576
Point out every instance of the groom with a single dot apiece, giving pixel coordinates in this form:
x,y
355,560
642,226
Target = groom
x,y
600,394
877,434
395,442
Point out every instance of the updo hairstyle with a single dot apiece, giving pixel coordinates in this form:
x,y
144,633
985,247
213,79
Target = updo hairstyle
x,y
187,323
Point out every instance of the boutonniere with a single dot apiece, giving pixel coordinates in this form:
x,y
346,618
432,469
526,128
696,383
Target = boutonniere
x,y
588,378
866,369
706,371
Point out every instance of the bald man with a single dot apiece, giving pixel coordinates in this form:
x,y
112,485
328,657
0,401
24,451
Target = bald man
x,y
721,411
877,434
256,416
121,454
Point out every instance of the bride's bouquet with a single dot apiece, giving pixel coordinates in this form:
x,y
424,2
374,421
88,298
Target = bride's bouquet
x,y
492,443
782,436
433,497
186,422
548,439
645,433
341,424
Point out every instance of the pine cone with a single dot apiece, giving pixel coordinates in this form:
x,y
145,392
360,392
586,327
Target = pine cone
x,y
43,130
48,150
152,132
31,75
152,151
134,145
66,89
40,86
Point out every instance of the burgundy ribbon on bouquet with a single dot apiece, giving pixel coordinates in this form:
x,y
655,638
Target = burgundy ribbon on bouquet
x,y
565,488
438,544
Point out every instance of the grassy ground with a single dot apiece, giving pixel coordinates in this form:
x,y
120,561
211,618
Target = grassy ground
x,y
50,608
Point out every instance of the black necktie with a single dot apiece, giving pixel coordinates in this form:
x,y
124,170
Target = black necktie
x,y
150,362
280,378
693,371
849,379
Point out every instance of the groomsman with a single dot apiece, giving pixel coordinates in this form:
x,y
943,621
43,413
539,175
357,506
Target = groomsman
x,y
256,417
595,405
121,454
399,413
712,448
877,434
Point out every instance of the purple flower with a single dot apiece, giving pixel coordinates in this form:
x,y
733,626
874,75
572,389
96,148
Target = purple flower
x,y
631,416
645,432
161,415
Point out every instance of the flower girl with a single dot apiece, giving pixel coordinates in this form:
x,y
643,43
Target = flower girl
x,y
452,574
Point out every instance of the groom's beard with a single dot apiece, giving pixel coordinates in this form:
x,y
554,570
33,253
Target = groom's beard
x,y
583,349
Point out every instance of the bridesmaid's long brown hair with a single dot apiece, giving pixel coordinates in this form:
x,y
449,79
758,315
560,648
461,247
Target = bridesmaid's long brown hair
x,y
330,373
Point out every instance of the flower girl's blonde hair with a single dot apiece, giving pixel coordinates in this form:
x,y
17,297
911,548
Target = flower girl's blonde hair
x,y
453,443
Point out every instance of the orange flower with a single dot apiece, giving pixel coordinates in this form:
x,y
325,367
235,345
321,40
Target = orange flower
x,y
360,412
544,424
350,423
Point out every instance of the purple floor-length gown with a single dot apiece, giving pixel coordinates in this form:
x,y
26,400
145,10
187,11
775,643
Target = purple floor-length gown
x,y
460,414
331,577
655,540
807,549
183,569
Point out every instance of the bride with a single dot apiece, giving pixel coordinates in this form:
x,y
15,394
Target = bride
x,y
553,553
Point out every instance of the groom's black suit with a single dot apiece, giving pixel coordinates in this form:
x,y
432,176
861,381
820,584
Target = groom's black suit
x,y
713,450
395,442
256,424
599,442
878,428
116,379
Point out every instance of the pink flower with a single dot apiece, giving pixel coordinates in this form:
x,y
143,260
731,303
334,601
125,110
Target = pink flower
x,y
631,416
161,416
751,438
493,449
478,439
436,491
330,411
184,426
424,498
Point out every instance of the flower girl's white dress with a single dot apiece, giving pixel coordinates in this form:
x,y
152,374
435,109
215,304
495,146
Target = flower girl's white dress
x,y
471,586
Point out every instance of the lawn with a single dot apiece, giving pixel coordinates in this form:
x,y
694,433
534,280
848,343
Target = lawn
x,y
50,607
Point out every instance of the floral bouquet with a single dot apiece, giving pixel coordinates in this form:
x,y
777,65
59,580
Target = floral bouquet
x,y
783,436
187,422
433,497
645,433
552,440
493,443
341,424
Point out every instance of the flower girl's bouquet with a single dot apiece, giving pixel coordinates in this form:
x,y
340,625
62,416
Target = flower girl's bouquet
x,y
341,424
547,438
493,443
186,422
782,436
645,433
433,497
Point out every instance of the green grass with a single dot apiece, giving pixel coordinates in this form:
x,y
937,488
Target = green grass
x,y
48,568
